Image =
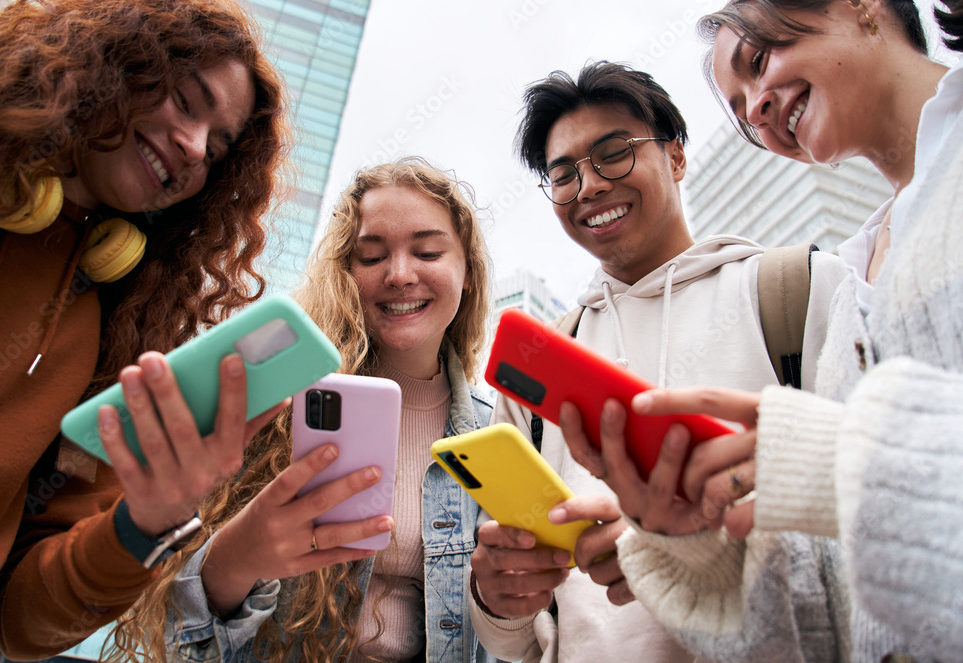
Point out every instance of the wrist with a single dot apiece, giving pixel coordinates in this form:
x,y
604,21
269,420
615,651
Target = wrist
x,y
150,550
476,594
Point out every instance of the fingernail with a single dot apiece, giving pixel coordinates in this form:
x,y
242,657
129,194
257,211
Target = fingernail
x,y
372,474
557,515
675,436
131,382
152,367
330,452
385,524
641,402
107,419
561,557
235,366
526,540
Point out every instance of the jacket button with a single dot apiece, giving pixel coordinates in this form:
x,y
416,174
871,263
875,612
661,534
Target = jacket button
x,y
449,624
441,524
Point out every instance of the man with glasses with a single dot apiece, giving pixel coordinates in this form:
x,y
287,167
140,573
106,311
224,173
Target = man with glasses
x,y
610,150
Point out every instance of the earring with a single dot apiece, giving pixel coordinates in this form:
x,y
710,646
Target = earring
x,y
873,25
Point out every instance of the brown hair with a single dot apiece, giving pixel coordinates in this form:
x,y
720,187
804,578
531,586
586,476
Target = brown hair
x,y
317,613
73,73
764,25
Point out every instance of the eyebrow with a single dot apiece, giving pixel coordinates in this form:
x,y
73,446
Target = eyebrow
x,y
419,234
209,97
595,143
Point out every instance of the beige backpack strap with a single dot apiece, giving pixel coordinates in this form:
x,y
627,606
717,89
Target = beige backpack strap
x,y
568,323
783,284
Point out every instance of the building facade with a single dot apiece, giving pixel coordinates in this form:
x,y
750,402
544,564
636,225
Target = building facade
x,y
733,187
526,291
314,44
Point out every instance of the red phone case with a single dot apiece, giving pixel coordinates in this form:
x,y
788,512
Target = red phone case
x,y
541,368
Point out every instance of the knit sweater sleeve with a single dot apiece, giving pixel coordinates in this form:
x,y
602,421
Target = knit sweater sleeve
x,y
899,463
727,600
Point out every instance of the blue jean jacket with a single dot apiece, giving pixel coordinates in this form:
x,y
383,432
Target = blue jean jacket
x,y
448,533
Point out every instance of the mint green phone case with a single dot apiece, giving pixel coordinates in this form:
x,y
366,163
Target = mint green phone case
x,y
283,349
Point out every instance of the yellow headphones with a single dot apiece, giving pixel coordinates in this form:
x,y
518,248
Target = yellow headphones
x,y
114,247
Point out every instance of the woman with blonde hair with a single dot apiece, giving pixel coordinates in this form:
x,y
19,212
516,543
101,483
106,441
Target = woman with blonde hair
x,y
399,283
140,144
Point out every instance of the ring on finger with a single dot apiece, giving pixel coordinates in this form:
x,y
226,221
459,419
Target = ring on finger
x,y
735,484
314,541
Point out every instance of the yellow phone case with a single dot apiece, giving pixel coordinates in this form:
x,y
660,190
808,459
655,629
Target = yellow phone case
x,y
504,473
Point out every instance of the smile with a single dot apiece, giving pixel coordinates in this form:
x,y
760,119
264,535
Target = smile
x,y
796,114
401,308
606,218
155,163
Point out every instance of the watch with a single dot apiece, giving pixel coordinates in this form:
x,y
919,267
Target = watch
x,y
149,550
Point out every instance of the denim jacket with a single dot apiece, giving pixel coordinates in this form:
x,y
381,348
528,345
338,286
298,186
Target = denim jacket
x,y
448,533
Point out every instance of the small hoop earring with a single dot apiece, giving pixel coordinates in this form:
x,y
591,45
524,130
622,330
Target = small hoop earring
x,y
873,25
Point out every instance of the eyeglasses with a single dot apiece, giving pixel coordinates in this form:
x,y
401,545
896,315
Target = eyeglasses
x,y
613,159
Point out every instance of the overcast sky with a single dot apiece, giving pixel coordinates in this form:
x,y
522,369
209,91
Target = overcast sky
x,y
444,78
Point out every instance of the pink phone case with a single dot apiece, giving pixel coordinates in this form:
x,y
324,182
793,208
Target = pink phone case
x,y
367,434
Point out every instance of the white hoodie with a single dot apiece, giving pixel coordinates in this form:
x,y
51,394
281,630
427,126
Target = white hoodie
x,y
692,321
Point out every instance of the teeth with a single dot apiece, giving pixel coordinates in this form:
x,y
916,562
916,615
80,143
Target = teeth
x,y
400,308
607,217
794,118
155,162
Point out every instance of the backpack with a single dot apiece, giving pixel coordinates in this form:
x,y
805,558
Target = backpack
x,y
783,282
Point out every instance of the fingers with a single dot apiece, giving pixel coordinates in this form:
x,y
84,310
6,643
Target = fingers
x,y
619,593
724,488
230,424
125,464
585,507
714,457
174,437
664,477
285,486
332,536
515,578
570,423
730,404
325,497
740,519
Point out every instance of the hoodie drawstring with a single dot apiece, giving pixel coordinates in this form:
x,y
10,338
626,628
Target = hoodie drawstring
x,y
666,306
619,345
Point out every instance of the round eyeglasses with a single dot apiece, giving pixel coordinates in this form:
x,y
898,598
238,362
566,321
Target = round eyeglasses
x,y
613,159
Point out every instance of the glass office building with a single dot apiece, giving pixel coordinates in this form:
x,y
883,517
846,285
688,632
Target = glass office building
x,y
315,43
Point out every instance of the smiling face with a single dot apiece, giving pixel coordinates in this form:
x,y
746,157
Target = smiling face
x,y
815,100
633,224
410,268
168,150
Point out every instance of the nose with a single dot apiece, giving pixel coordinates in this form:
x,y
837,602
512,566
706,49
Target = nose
x,y
401,272
593,184
760,108
190,137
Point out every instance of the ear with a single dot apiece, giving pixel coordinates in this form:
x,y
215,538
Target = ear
x,y
466,285
867,12
676,155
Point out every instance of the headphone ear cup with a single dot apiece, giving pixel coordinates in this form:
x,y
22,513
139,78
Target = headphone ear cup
x,y
41,212
114,248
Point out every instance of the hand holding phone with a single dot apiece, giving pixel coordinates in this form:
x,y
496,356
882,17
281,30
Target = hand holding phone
x,y
362,416
283,351
541,368
504,473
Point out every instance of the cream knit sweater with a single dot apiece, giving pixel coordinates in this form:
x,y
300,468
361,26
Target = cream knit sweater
x,y
875,462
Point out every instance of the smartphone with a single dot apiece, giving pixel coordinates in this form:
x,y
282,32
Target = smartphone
x,y
541,368
362,415
283,351
504,473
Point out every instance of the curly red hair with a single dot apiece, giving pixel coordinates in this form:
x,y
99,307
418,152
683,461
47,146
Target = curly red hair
x,y
72,73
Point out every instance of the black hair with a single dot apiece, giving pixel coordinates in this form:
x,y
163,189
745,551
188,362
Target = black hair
x,y
598,83
951,23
